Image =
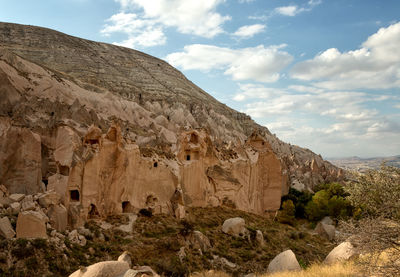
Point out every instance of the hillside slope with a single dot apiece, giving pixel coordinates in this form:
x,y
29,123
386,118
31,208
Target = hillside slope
x,y
113,129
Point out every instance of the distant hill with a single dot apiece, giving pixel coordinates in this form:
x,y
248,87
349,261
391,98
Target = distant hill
x,y
363,164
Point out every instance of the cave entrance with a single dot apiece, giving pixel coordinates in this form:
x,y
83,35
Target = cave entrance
x,y
93,212
127,207
74,195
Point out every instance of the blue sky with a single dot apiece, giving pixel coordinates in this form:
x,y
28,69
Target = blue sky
x,y
321,74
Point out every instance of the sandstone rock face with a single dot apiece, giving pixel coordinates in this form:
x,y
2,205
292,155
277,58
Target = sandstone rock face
x,y
234,226
31,224
20,159
111,130
102,269
6,230
285,261
342,252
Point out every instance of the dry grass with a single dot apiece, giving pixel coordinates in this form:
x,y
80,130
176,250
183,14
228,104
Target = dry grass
x,y
316,270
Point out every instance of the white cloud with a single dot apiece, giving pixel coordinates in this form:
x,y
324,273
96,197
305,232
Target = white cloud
x,y
259,63
245,1
188,16
141,32
293,10
376,65
248,31
289,10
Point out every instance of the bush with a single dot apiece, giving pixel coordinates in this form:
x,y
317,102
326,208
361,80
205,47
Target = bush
x,y
330,200
287,214
377,192
299,199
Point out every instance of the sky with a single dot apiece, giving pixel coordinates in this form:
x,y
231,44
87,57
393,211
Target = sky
x,y
322,74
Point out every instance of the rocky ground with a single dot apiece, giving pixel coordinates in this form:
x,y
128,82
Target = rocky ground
x,y
171,247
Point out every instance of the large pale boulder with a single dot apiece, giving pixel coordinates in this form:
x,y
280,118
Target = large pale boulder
x,y
342,252
15,208
6,230
125,257
285,261
58,216
16,197
260,238
49,198
325,230
102,269
31,224
234,226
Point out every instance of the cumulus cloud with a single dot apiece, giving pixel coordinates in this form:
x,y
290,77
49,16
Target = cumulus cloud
x,y
140,32
293,10
376,65
245,1
248,31
144,21
259,63
322,119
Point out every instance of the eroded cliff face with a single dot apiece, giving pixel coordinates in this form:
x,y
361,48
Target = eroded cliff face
x,y
111,142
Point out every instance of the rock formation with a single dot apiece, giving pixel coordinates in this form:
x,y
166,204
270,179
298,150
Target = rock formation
x,y
112,130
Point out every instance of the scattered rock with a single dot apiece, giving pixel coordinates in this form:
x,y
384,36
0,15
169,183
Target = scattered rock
x,y
27,203
260,238
202,241
235,226
181,254
74,237
6,230
49,198
15,208
325,230
102,269
127,228
16,197
125,257
84,232
140,271
327,220
31,224
342,252
285,261
223,262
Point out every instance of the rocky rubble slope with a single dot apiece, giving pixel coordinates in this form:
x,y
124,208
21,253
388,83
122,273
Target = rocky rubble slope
x,y
113,130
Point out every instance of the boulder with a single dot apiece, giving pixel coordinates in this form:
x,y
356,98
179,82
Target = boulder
x,y
74,237
127,228
49,198
102,269
16,197
202,241
31,224
342,252
260,238
58,217
125,257
235,226
325,230
327,220
6,230
140,271
285,261
223,262
27,203
15,208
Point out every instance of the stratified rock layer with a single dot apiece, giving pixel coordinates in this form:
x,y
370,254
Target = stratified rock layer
x,y
113,130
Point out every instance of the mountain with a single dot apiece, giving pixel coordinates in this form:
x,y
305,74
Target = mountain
x,y
113,130
364,164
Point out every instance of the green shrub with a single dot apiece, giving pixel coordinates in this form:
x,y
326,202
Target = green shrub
x,y
376,193
299,199
287,214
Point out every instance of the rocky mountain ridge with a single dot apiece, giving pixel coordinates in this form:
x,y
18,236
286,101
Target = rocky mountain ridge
x,y
112,130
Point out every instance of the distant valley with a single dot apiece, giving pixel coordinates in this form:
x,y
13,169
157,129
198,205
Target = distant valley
x,y
363,164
